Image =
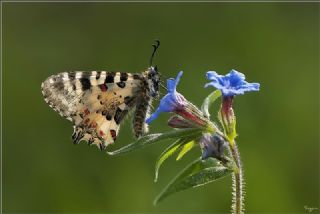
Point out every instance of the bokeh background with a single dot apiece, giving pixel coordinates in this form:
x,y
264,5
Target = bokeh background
x,y
275,44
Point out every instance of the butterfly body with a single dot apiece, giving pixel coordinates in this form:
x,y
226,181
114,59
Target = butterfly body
x,y
98,101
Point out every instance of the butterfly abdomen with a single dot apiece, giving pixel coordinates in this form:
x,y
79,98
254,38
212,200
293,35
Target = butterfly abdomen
x,y
140,115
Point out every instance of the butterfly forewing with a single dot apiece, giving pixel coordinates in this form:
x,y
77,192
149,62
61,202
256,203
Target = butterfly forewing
x,y
96,102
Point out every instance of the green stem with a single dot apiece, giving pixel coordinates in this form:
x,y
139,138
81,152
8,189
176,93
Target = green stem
x,y
237,181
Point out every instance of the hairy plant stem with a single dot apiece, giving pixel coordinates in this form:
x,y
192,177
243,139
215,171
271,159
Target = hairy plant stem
x,y
237,181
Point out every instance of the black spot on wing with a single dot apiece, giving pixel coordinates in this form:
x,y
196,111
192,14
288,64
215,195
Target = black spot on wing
x,y
58,85
130,101
108,117
119,115
127,100
136,76
110,77
98,75
72,76
121,84
123,77
86,75
85,82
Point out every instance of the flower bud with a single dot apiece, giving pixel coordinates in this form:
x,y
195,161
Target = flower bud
x,y
227,116
180,123
213,146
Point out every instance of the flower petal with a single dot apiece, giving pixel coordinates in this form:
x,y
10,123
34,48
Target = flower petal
x,y
172,101
173,83
251,86
167,103
231,84
212,75
214,84
153,116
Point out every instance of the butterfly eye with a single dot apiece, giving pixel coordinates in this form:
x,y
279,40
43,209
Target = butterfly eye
x,y
153,71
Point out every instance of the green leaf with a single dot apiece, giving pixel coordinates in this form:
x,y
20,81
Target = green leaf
x,y
169,151
153,138
209,101
196,174
185,148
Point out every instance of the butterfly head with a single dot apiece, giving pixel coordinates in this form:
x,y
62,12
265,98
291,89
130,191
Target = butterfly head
x,y
154,81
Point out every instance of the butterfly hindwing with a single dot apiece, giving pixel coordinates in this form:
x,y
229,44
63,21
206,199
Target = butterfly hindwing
x,y
99,128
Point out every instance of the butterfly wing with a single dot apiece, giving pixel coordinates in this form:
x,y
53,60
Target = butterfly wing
x,y
96,102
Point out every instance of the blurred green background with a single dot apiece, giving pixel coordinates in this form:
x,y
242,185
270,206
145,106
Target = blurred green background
x,y
275,44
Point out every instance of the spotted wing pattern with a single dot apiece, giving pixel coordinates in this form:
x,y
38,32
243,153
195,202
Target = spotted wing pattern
x,y
96,102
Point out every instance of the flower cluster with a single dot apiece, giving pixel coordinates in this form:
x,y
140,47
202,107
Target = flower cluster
x,y
192,127
213,141
175,102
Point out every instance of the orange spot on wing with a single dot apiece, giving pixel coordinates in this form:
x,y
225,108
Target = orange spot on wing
x,y
86,111
103,87
86,121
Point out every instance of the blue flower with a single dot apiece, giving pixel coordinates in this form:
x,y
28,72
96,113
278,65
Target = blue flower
x,y
172,101
231,84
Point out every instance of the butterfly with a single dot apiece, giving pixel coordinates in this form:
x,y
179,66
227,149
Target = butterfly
x,y
98,101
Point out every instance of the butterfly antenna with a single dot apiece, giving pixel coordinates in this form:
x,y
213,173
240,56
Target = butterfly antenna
x,y
155,48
